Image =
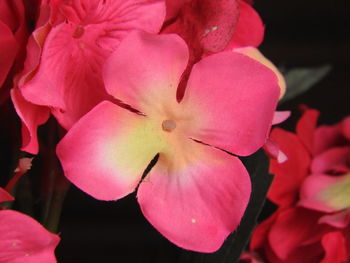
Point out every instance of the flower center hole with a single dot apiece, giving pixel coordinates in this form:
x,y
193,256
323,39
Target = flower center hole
x,y
168,125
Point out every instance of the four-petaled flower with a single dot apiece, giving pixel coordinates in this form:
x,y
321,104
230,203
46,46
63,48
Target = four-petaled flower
x,y
196,193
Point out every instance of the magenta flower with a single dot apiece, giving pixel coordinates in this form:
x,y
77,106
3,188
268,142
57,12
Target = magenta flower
x,y
66,53
196,194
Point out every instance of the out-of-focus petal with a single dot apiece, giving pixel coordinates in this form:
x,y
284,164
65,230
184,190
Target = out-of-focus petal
x,y
326,193
273,151
5,196
334,160
306,127
24,240
173,8
9,48
32,116
338,220
249,29
255,54
234,98
106,152
334,246
195,196
290,174
346,128
327,136
280,116
284,239
69,75
150,77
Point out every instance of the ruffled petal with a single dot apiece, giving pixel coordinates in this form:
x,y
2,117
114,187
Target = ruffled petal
x,y
107,151
69,76
338,220
24,240
290,174
233,98
326,193
195,196
150,77
32,116
327,136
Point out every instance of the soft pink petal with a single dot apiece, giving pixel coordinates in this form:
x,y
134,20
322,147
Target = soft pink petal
x,y
334,246
290,174
150,76
306,127
24,240
9,48
280,116
195,196
334,160
32,116
106,152
326,193
338,220
327,136
234,99
5,196
249,30
69,76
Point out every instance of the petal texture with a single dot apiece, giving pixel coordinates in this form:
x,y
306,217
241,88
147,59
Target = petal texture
x,y
149,77
234,98
195,196
23,240
69,76
106,152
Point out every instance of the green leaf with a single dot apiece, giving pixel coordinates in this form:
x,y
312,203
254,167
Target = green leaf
x,y
299,80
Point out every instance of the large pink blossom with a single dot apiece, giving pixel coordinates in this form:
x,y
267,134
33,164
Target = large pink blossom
x,y
196,194
66,53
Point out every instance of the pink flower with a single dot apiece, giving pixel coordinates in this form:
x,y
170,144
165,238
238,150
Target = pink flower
x,y
66,53
196,194
22,239
311,190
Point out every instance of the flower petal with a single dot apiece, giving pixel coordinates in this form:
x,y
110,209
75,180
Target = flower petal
x,y
24,240
326,193
195,196
5,196
306,128
338,220
284,239
334,160
255,54
249,30
280,116
152,75
335,248
32,116
9,48
233,98
290,174
106,152
69,76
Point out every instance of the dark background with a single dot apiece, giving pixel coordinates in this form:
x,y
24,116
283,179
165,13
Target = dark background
x,y
298,34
